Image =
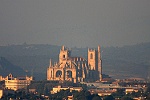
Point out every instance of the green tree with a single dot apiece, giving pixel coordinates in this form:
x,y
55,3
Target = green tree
x,y
96,98
120,93
88,95
126,98
109,97
148,97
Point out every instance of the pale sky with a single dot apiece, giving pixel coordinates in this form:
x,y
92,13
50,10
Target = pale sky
x,y
80,23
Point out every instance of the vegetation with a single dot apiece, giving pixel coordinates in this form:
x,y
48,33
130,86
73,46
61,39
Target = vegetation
x,y
44,87
109,97
82,95
20,95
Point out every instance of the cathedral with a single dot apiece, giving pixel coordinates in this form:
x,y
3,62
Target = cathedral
x,y
76,69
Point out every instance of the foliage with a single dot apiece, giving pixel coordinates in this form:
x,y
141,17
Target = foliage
x,y
20,95
120,93
44,87
109,97
147,92
97,98
83,95
126,98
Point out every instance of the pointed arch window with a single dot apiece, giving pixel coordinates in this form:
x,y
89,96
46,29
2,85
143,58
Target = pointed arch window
x,y
51,73
91,56
63,56
58,73
69,74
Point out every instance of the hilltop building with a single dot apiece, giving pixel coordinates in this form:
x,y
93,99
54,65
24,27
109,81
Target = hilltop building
x,y
76,69
16,83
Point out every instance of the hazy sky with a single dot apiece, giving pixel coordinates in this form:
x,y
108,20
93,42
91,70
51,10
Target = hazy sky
x,y
72,23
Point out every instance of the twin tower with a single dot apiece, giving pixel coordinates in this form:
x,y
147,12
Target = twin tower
x,y
76,69
95,61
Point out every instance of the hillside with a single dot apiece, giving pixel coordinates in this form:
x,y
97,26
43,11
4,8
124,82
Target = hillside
x,y
118,62
6,68
128,61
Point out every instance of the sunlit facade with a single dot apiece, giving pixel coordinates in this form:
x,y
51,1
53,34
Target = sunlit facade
x,y
76,69
16,83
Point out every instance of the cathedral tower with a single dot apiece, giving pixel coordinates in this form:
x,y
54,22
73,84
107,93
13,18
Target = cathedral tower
x,y
95,62
92,59
64,54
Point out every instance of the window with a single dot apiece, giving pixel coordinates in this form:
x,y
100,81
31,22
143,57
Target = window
x,y
51,74
63,56
69,74
91,56
58,73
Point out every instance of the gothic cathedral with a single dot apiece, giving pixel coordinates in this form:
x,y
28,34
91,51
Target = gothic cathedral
x,y
76,69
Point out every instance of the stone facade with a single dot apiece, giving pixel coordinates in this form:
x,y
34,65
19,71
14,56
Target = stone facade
x,y
16,83
76,69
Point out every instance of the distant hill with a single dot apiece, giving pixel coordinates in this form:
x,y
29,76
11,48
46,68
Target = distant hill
x,y
6,68
118,62
127,61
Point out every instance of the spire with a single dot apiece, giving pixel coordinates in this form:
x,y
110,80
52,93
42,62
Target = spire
x,y
63,48
50,63
99,49
99,63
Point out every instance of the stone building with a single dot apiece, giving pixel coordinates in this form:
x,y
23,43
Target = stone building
x,y
76,69
16,83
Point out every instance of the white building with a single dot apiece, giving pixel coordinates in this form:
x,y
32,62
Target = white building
x,y
1,93
59,88
16,83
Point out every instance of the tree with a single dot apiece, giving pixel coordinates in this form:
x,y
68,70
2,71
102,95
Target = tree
x,y
120,93
109,97
126,98
148,97
96,98
88,95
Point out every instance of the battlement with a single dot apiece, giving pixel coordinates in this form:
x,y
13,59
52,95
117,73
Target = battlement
x,y
91,50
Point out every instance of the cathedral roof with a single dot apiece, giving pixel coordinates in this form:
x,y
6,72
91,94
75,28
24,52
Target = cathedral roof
x,y
67,64
77,58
